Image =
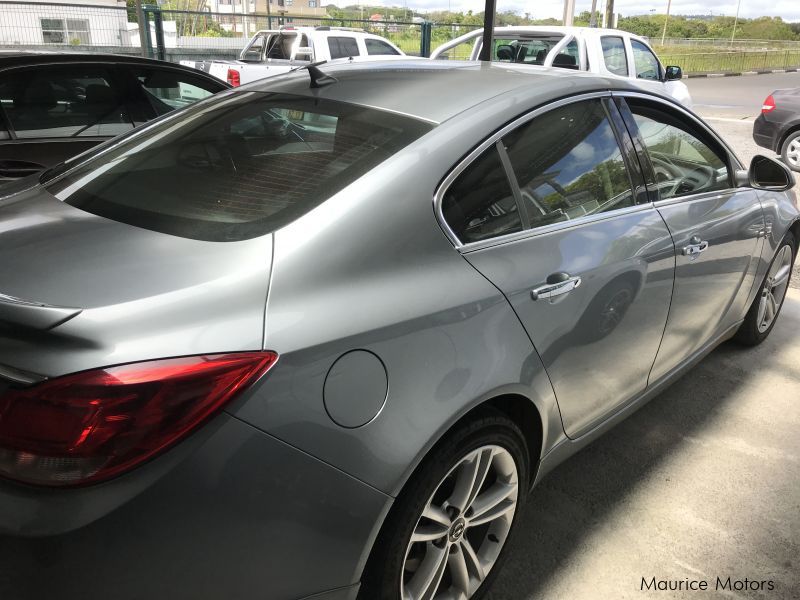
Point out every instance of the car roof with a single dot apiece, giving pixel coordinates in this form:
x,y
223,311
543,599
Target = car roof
x,y
562,29
325,32
17,58
437,90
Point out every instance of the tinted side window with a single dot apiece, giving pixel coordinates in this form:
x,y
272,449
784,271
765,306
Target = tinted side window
x,y
646,63
480,204
379,47
167,90
685,161
614,55
342,47
72,101
568,164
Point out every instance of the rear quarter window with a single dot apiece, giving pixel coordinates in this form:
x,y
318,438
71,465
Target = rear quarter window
x,y
237,168
343,47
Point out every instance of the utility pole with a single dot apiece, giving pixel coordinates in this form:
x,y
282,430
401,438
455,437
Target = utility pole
x,y
735,21
666,19
610,13
142,32
593,17
569,12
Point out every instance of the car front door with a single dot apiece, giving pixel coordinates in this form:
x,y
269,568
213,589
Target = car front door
x,y
55,112
647,69
716,227
546,212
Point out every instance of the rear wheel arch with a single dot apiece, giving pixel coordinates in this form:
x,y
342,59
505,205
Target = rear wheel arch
x,y
794,228
521,410
518,408
785,135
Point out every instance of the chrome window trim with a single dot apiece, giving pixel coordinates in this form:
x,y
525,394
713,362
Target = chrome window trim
x,y
692,197
493,139
553,227
694,119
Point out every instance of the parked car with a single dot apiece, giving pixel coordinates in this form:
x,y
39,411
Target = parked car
x,y
272,52
600,51
244,360
778,125
56,105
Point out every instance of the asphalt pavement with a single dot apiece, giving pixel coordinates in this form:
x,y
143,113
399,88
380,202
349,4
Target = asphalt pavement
x,y
730,105
703,482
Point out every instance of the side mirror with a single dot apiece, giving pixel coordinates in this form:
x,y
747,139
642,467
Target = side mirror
x,y
769,174
673,73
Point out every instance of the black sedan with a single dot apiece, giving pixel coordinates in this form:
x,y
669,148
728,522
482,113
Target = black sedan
x,y
778,126
56,105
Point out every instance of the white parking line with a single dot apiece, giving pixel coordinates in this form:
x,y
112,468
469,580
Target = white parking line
x,y
747,120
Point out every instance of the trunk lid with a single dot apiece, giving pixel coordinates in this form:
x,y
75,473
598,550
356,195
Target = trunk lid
x,y
79,291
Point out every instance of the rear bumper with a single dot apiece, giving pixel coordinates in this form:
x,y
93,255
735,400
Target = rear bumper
x,y
236,515
765,133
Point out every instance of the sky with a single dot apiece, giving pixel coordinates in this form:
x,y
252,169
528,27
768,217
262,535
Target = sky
x,y
789,10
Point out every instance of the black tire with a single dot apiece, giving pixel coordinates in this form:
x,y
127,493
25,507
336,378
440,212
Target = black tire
x,y
748,333
793,137
384,569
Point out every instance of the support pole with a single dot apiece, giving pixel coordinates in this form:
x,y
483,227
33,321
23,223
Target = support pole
x,y
610,14
488,30
666,19
142,34
158,20
569,13
593,17
735,21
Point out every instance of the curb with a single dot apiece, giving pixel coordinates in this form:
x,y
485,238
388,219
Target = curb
x,y
739,73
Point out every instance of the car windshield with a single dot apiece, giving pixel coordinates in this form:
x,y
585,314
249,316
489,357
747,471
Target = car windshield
x,y
236,167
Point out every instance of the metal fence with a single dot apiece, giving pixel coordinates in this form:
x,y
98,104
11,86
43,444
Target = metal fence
x,y
175,35
707,44
734,62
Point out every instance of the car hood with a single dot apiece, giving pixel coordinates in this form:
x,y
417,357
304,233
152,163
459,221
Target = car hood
x,y
79,291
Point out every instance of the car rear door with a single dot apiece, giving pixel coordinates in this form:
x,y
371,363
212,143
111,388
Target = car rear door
x,y
54,112
552,211
716,227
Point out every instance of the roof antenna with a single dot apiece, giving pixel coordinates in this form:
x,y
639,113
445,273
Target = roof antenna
x,y
318,78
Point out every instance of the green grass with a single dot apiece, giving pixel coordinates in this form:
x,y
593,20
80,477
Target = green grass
x,y
731,62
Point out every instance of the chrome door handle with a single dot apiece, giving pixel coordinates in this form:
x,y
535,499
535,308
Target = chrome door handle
x,y
695,249
551,290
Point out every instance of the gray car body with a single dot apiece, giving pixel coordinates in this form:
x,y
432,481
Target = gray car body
x,y
273,498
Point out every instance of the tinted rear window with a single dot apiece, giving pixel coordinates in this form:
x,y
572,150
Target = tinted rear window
x,y
237,168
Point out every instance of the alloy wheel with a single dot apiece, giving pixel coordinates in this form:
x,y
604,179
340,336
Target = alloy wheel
x,y
793,153
774,288
463,527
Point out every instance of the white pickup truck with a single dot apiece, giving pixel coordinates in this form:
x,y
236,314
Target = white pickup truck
x,y
277,51
602,51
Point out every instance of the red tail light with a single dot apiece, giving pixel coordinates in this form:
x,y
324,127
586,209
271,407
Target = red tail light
x,y
769,104
234,78
94,425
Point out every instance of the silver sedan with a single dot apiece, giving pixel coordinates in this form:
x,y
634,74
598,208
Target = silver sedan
x,y
322,335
